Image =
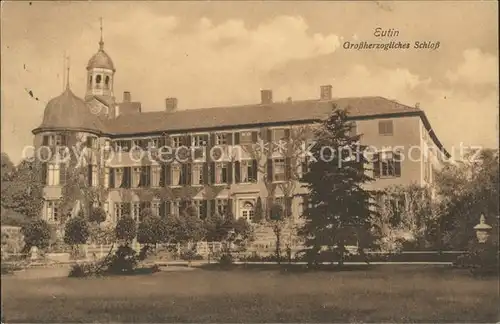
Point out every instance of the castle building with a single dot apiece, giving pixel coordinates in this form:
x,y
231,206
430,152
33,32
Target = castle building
x,y
133,176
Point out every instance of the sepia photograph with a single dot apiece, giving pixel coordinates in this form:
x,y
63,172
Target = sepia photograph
x,y
250,162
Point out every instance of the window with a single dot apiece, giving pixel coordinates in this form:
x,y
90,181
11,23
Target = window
x,y
279,170
53,174
176,141
248,171
221,139
123,146
52,211
221,173
118,177
247,212
176,206
106,82
155,175
92,142
280,134
387,164
176,175
154,142
155,208
245,138
385,127
199,141
106,177
54,140
120,210
136,210
201,208
94,176
90,80
197,174
136,176
221,206
98,79
145,177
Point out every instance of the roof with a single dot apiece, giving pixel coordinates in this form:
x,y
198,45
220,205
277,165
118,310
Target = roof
x,y
101,59
262,114
257,114
69,112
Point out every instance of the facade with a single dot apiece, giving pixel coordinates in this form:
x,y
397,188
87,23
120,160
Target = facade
x,y
218,160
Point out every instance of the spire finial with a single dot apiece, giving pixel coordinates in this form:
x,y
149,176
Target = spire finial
x,y
101,42
67,73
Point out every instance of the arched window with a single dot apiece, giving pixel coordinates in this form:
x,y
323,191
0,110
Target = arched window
x,y
90,80
98,79
106,82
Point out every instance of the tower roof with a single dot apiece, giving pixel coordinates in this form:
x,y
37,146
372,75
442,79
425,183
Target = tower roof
x,y
69,112
101,59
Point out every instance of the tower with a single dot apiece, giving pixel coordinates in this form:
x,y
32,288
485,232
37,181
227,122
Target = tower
x,y
100,76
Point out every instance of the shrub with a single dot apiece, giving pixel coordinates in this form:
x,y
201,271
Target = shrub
x,y
123,261
151,230
126,229
97,215
190,255
481,259
76,231
81,270
36,233
226,259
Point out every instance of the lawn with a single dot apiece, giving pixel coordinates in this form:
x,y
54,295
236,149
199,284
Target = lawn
x,y
381,294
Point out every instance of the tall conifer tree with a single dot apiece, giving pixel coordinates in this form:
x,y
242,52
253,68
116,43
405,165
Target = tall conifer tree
x,y
338,207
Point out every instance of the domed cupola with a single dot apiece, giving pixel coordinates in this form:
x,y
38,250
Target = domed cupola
x,y
100,74
101,60
68,112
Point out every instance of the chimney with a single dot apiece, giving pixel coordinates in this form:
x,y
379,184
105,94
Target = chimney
x,y
126,96
171,104
326,92
266,96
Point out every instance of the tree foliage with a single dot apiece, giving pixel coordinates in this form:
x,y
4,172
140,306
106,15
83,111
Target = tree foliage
x,y
76,231
408,218
338,206
259,211
126,229
36,233
97,215
152,230
22,187
467,189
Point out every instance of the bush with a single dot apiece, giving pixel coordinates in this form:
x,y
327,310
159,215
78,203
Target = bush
x,y
123,261
81,270
126,229
151,230
190,255
76,231
226,259
36,233
97,215
481,259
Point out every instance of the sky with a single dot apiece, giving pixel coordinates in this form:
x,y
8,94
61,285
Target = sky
x,y
223,53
